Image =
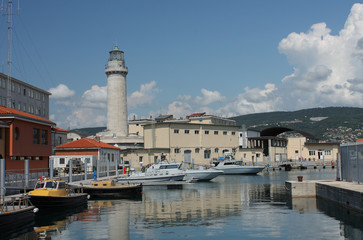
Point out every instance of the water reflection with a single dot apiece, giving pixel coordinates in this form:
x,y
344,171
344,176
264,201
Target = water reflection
x,y
228,207
351,226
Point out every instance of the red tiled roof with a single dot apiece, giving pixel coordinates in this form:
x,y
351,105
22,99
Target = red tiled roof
x,y
86,143
60,129
11,111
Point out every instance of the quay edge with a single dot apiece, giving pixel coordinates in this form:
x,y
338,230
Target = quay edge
x,y
346,194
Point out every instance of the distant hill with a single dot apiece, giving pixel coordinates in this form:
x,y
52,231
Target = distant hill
x,y
344,124
317,121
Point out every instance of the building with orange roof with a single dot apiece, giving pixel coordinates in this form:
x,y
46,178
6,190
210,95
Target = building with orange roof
x,y
94,153
24,136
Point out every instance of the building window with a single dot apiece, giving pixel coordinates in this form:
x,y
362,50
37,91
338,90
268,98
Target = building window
x,y
140,159
24,92
44,137
176,150
215,132
186,131
240,134
311,153
176,131
61,161
35,136
224,132
216,150
206,132
233,133
328,152
197,150
196,131
296,151
16,133
206,154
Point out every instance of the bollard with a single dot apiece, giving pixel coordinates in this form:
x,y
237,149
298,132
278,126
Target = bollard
x,y
299,178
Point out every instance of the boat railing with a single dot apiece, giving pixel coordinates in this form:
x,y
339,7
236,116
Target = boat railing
x,y
14,203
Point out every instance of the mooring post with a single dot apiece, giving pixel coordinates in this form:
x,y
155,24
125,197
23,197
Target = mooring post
x,y
70,171
26,172
85,168
2,178
51,168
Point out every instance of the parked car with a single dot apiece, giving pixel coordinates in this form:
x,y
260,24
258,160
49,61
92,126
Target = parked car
x,y
77,167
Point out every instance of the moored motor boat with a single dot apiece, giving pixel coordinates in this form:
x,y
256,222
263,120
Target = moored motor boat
x,y
51,193
162,171
17,214
231,166
108,189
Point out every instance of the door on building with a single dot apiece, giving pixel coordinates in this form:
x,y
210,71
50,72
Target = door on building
x,y
188,157
320,154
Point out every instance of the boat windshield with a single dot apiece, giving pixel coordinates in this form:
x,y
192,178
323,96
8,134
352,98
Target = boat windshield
x,y
51,185
169,166
62,185
39,185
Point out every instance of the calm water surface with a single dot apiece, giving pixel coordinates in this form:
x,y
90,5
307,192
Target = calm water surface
x,y
229,207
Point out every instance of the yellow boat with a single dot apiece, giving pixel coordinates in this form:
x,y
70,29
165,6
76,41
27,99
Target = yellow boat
x,y
52,193
109,189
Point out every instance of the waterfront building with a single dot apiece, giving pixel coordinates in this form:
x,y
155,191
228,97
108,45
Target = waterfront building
x,y
198,139
59,136
24,136
299,148
90,151
25,97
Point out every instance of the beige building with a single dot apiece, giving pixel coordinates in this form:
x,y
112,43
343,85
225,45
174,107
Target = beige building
x,y
199,139
299,149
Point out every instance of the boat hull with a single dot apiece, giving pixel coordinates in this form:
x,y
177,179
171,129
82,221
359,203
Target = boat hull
x,y
59,202
15,219
114,192
241,170
202,175
158,178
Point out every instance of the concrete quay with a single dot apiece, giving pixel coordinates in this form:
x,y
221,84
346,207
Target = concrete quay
x,y
346,194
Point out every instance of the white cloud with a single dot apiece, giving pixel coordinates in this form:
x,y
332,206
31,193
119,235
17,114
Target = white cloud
x,y
96,97
179,109
209,97
61,91
327,68
143,97
253,101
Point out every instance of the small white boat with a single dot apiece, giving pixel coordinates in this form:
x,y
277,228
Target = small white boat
x,y
162,171
202,174
231,166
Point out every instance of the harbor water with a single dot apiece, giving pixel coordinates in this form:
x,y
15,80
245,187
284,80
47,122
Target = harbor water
x,y
229,207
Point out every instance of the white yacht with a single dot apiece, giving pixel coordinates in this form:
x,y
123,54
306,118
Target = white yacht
x,y
231,166
162,171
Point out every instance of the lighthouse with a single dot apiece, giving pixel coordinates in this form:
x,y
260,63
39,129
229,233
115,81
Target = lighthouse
x,y
116,72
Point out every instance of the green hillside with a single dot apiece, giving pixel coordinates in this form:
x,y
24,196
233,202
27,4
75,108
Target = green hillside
x,y
318,121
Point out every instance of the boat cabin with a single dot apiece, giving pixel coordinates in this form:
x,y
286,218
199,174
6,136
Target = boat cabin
x,y
49,187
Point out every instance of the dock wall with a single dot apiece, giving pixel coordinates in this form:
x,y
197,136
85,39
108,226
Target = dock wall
x,y
346,194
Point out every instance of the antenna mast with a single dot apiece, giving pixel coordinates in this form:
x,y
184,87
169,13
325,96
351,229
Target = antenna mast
x,y
8,10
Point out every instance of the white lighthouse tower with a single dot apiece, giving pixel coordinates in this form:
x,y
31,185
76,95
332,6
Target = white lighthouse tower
x,y
116,72
117,131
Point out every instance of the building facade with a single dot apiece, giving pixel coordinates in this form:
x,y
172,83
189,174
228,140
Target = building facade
x,y
24,136
25,97
299,148
94,153
196,140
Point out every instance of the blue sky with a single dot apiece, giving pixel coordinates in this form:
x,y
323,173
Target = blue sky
x,y
226,58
